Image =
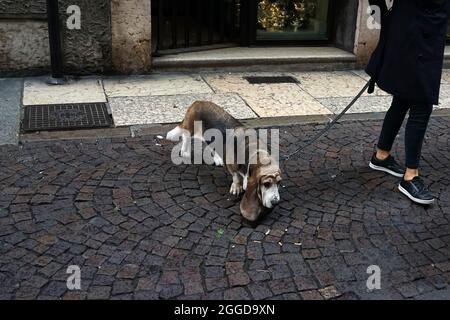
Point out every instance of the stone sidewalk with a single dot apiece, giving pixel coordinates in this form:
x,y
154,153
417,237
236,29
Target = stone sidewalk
x,y
140,227
163,98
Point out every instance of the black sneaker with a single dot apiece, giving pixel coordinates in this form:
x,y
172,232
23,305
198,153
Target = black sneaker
x,y
388,165
416,191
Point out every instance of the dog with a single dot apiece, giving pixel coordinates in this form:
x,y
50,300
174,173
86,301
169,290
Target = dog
x,y
259,175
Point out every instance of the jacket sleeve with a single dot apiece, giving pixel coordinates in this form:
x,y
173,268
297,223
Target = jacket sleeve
x,y
381,4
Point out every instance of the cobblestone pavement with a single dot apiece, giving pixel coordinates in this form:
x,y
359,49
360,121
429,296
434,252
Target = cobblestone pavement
x,y
142,228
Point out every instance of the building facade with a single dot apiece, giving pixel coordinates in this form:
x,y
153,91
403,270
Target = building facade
x,y
125,36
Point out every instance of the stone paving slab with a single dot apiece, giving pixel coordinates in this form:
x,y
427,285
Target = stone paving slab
x,y
444,97
366,77
363,105
171,109
150,99
37,92
140,227
268,100
444,94
333,84
156,85
445,76
10,96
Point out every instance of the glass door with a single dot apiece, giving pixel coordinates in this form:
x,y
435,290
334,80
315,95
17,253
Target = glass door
x,y
292,20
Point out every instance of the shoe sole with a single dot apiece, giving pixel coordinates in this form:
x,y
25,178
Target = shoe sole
x,y
414,199
383,169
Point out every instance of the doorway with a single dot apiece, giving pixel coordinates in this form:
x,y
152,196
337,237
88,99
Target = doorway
x,y
190,25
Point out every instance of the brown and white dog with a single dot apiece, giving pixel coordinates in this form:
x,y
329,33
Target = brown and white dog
x,y
259,175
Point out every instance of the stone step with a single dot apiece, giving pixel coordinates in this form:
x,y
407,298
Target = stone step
x,y
259,59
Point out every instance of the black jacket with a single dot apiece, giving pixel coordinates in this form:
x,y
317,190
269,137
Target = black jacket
x,y
408,59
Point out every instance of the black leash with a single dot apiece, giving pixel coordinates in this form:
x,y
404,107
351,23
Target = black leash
x,y
370,84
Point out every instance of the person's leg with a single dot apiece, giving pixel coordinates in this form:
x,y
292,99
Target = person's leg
x,y
391,126
416,127
412,185
382,159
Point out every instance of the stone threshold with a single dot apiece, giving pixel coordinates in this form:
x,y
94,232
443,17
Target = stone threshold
x,y
161,129
258,59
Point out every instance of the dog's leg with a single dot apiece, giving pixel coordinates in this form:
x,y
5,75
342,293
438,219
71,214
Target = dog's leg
x,y
218,161
236,186
186,146
174,134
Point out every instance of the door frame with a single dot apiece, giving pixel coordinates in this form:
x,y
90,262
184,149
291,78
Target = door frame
x,y
249,21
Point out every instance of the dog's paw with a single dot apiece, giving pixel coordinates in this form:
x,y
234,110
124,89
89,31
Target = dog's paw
x,y
236,189
218,161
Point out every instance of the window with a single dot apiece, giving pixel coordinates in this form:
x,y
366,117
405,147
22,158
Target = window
x,y
292,20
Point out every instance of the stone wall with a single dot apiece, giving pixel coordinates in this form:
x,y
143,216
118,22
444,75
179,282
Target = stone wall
x,y
366,39
88,50
85,51
23,47
131,36
22,6
23,42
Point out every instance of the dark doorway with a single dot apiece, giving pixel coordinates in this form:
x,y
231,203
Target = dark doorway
x,y
189,25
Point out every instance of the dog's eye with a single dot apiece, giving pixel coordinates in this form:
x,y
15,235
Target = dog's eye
x,y
267,185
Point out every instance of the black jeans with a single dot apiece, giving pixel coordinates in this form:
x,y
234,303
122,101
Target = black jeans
x,y
419,116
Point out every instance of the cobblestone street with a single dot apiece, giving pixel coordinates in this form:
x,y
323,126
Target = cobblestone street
x,y
140,227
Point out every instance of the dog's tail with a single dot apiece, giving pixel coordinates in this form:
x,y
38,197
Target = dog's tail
x,y
174,134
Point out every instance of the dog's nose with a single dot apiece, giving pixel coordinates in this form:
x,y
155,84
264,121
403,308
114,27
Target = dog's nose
x,y
275,200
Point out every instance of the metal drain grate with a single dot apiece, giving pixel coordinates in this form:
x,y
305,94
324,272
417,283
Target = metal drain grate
x,y
276,79
66,116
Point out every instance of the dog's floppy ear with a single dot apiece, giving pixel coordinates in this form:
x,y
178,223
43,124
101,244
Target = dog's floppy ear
x,y
250,204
